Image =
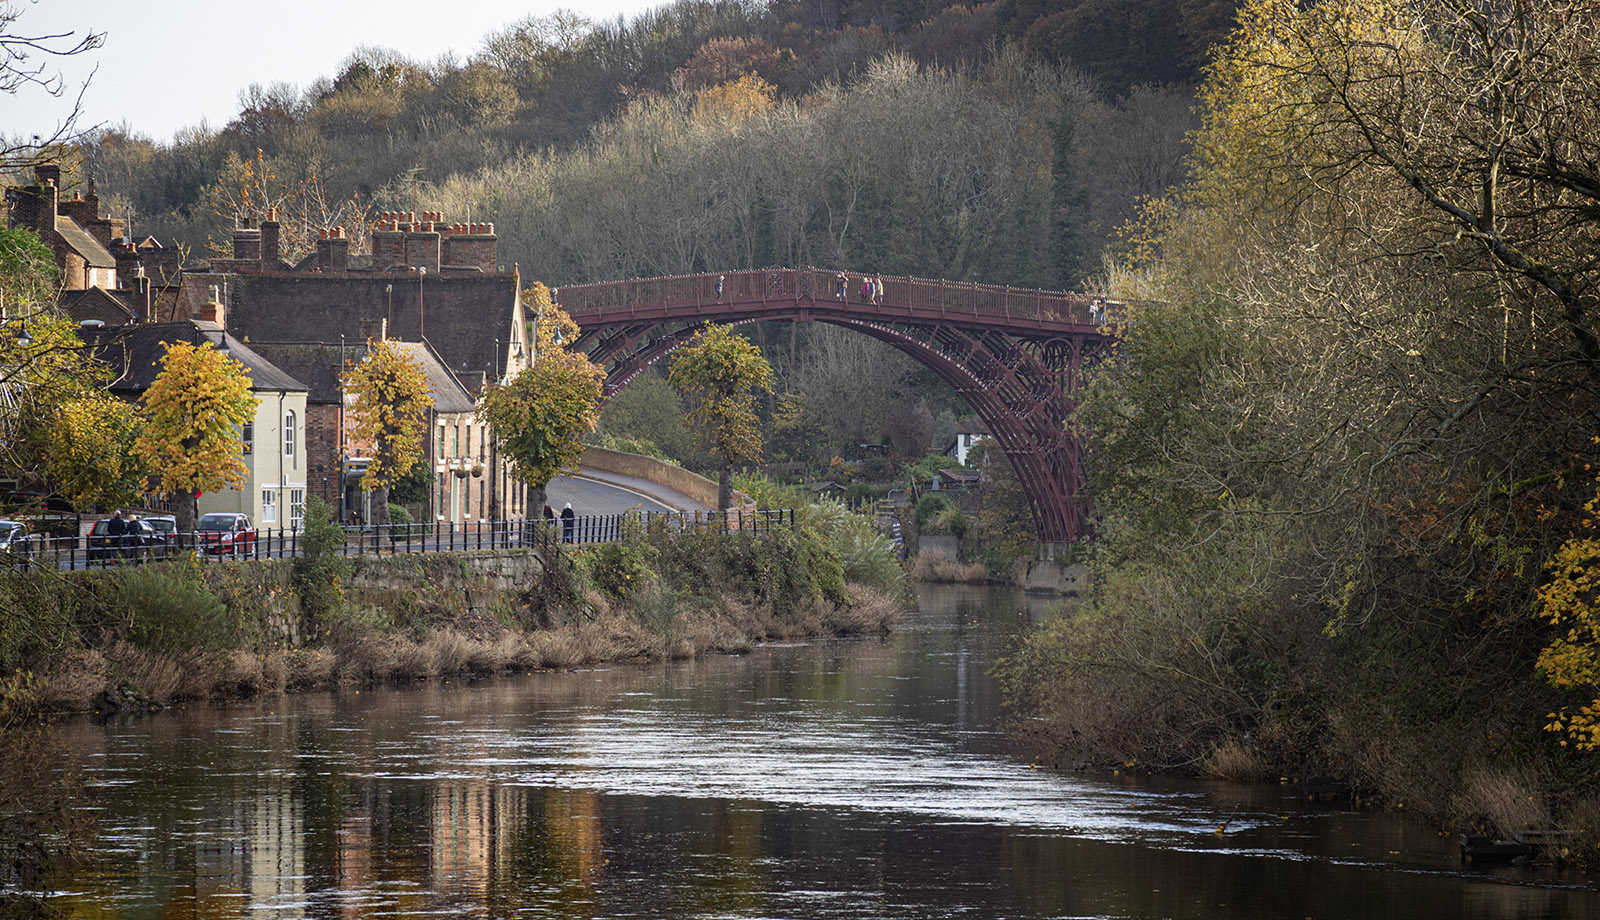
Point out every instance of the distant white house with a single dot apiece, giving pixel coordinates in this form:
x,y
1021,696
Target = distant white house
x,y
970,433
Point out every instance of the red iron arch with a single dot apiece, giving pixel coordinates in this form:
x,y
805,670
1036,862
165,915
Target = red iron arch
x,y
1013,355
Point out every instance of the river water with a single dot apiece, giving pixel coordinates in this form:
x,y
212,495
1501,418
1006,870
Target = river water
x,y
855,779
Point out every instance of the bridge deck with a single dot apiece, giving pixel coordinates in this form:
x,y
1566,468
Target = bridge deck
x,y
778,291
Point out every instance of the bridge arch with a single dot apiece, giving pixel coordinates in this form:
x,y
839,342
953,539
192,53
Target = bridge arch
x,y
1014,355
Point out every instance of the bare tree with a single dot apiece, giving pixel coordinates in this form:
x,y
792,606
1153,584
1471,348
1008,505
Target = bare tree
x,y
27,64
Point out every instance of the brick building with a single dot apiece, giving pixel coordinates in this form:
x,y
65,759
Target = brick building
x,y
106,277
433,286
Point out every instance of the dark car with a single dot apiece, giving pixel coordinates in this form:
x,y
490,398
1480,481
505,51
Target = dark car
x,y
140,542
221,533
159,533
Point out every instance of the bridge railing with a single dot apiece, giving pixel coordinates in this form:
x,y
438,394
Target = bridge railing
x,y
900,295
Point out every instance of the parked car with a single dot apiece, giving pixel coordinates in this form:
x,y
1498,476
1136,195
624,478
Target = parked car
x,y
221,533
13,536
139,542
17,545
160,532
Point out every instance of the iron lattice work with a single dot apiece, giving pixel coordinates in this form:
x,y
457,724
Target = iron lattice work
x,y
1014,355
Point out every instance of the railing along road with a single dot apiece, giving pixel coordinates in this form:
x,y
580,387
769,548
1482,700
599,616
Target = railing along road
x,y
73,553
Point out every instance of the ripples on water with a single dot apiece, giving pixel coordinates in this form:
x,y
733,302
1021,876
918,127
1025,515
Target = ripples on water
x,y
863,779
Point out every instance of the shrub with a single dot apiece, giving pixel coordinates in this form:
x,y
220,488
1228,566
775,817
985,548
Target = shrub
x,y
320,571
930,506
868,557
768,493
171,607
400,523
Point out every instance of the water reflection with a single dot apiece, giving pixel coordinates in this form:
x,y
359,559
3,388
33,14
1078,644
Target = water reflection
x,y
862,779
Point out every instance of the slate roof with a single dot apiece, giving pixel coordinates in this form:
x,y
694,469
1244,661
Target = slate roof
x,y
135,354
448,393
84,244
316,364
462,316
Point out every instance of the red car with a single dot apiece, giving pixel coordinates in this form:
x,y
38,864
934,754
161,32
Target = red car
x,y
221,533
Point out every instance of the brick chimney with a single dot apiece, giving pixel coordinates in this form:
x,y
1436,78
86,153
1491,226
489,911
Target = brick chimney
x,y
211,311
471,245
333,250
247,241
388,244
270,239
422,243
36,205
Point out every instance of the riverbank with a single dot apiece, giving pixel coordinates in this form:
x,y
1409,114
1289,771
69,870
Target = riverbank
x,y
1449,729
154,635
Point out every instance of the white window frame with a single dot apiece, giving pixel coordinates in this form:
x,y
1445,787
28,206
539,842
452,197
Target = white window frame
x,y
288,433
297,507
269,506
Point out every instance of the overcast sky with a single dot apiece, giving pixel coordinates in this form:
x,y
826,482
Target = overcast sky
x,y
170,64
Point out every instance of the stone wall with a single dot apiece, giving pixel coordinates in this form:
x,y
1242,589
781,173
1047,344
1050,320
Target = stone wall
x,y
675,478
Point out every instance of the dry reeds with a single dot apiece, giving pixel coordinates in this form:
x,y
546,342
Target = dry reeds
x,y
1233,760
948,571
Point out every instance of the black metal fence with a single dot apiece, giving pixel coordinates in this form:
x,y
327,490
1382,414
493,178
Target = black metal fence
x,y
73,553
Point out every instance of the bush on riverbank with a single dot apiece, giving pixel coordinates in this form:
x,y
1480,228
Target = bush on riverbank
x,y
1190,666
158,633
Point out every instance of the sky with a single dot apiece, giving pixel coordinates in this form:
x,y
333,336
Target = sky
x,y
172,64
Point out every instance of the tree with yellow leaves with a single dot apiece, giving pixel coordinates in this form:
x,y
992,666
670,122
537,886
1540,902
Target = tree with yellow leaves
x,y
195,410
93,457
1570,603
540,417
390,401
720,373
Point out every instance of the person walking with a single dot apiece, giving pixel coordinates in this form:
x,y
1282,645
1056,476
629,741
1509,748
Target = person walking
x,y
840,285
720,279
877,289
568,523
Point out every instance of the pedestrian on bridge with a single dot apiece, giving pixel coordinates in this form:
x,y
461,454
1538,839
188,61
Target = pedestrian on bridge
x,y
720,279
840,286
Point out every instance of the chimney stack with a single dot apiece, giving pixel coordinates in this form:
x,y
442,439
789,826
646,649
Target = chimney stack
x,y
333,250
211,311
247,241
270,239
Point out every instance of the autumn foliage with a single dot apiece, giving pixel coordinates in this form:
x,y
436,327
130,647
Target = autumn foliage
x,y
1570,603
195,409
540,416
720,374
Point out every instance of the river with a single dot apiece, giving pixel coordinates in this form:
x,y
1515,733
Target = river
x,y
859,779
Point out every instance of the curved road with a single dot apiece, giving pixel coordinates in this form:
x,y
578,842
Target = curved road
x,y
597,493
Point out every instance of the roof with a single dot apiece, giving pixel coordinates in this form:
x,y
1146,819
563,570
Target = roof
x,y
113,308
463,316
448,393
316,364
84,244
135,353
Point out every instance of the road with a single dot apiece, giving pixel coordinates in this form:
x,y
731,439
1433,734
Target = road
x,y
596,493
